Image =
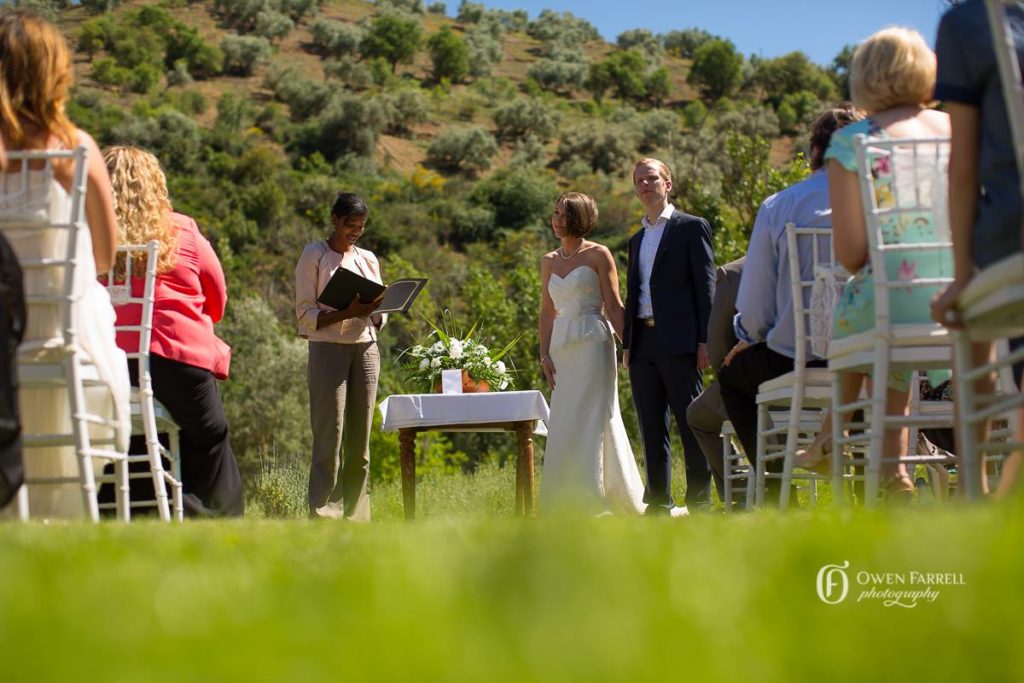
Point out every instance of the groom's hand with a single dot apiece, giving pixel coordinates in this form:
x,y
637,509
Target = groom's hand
x,y
703,360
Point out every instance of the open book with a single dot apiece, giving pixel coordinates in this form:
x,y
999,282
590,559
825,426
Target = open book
x,y
345,285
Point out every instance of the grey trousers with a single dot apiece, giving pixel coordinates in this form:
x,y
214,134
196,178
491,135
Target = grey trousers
x,y
705,417
342,395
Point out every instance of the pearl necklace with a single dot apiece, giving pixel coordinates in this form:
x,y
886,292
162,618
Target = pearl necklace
x,y
561,251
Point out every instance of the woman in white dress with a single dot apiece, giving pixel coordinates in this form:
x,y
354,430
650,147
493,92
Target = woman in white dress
x,y
35,69
588,462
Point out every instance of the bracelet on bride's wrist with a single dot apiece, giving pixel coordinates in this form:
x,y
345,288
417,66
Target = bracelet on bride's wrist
x,y
544,358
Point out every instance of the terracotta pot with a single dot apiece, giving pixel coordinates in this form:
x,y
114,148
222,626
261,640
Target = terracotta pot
x,y
469,385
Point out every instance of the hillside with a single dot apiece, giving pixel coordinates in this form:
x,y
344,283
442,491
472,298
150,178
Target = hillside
x,y
460,132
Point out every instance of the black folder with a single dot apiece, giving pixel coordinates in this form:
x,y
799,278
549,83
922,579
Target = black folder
x,y
345,285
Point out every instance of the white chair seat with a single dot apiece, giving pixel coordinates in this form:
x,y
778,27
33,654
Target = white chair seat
x,y
914,346
817,387
993,300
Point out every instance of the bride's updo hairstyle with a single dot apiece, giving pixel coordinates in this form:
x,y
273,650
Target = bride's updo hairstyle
x,y
580,213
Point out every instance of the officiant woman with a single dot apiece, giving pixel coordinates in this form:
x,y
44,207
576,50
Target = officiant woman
x,y
343,366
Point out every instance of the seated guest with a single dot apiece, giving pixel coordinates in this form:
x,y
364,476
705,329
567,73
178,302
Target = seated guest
x,y
707,412
186,357
35,77
984,181
764,319
892,78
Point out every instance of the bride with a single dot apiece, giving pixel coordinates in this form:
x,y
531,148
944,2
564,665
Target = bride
x,y
588,462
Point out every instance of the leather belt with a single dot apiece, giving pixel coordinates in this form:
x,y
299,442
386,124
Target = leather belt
x,y
646,322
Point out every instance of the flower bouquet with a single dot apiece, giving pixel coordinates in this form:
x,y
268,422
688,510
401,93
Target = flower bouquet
x,y
424,362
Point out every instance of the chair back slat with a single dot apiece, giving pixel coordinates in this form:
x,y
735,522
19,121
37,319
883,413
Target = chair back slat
x,y
121,283
812,262
43,227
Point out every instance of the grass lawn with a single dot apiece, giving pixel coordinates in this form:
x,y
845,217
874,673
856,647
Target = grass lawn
x,y
470,593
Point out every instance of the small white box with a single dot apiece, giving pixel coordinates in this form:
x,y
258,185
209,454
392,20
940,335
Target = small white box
x,y
451,381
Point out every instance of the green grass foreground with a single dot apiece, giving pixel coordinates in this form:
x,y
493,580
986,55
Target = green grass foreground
x,y
485,596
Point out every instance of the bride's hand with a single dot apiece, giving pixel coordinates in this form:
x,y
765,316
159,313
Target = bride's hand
x,y
549,370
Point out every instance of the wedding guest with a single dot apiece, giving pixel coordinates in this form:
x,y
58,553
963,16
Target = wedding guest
x,y
892,78
343,366
764,322
670,279
186,356
35,77
707,412
985,204
588,461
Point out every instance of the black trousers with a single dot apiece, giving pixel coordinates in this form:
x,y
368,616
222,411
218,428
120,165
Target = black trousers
x,y
211,482
664,385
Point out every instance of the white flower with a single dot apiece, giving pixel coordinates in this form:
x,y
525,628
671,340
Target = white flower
x,y
504,383
435,363
424,364
456,349
417,350
481,349
438,347
487,360
500,366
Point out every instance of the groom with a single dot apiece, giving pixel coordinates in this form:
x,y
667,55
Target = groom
x,y
670,280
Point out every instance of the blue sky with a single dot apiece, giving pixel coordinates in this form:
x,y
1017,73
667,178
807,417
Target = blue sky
x,y
766,27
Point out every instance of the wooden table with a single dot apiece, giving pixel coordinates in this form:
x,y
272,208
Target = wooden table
x,y
521,412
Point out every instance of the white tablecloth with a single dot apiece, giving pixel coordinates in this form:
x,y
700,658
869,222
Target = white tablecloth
x,y
434,410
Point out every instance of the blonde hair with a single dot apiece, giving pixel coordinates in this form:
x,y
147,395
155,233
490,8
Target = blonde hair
x,y
662,167
35,74
894,66
580,213
141,204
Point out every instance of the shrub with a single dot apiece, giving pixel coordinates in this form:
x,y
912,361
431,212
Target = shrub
x,y
694,114
522,117
403,109
484,51
470,12
394,37
437,8
565,28
796,110
560,77
792,73
335,38
642,40
348,124
449,56
305,97
606,148
272,25
242,54
686,42
462,150
716,68
352,73
410,6
298,10
519,197
658,128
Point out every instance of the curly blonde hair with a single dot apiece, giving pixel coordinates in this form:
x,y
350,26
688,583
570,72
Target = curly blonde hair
x,y
141,204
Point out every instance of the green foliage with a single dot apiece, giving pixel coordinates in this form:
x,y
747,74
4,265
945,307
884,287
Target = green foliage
x,y
839,71
462,150
449,56
392,36
749,178
796,110
355,74
335,38
792,73
347,124
404,109
273,25
265,400
550,26
242,54
409,6
685,43
642,40
658,128
519,197
437,8
609,149
716,69
521,117
484,50
558,76
657,86
694,114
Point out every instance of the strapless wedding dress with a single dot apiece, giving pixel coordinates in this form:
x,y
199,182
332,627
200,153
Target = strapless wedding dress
x,y
588,461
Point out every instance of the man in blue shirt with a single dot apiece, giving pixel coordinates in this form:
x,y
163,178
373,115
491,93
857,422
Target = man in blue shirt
x,y
764,319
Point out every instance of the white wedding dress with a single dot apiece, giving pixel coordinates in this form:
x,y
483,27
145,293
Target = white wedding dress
x,y
44,410
588,462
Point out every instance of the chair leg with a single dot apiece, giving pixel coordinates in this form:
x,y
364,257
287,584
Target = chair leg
x,y
876,440
156,466
838,494
122,494
758,464
23,503
970,475
727,466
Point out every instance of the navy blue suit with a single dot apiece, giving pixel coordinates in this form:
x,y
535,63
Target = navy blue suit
x,y
663,359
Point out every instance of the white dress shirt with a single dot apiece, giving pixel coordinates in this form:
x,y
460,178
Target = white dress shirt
x,y
648,250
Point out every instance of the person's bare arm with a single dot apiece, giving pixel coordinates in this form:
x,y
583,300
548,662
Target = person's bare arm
x,y
849,234
610,298
547,320
963,205
99,206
